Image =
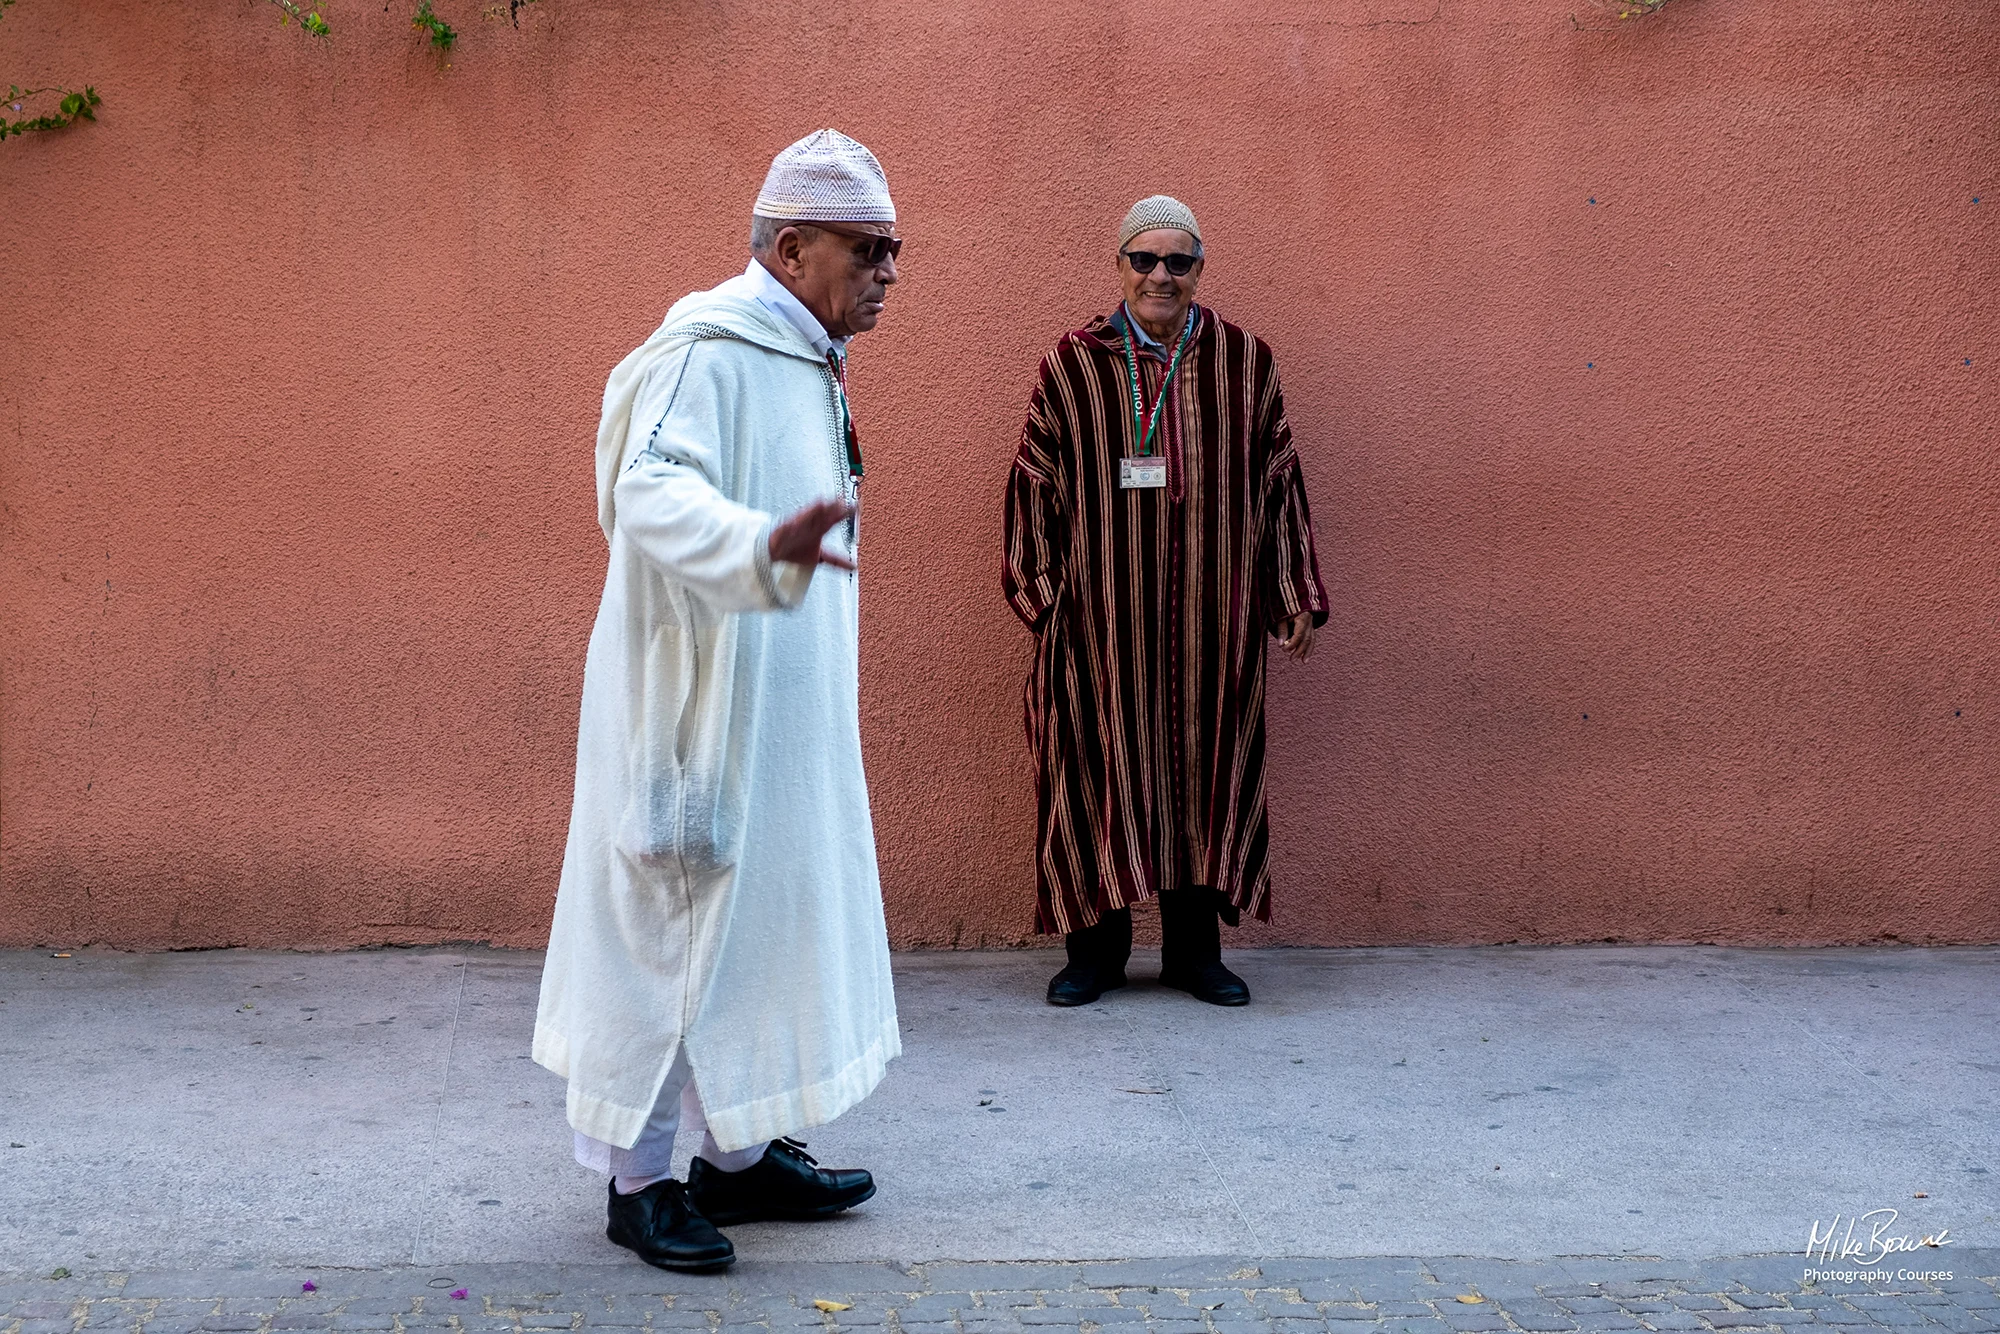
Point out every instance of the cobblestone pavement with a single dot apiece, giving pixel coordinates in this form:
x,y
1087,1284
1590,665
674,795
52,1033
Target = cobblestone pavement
x,y
1212,1296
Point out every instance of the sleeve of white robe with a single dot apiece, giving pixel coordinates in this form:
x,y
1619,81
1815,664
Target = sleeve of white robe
x,y
670,507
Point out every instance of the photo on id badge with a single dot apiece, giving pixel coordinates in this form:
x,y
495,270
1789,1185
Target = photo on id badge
x,y
1142,471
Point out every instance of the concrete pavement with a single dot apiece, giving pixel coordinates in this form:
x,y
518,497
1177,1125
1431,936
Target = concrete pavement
x,y
1214,1295
201,1111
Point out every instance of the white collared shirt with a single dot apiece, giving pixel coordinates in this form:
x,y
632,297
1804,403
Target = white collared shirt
x,y
778,299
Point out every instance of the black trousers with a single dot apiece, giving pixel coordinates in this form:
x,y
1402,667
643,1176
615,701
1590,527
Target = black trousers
x,y
1190,931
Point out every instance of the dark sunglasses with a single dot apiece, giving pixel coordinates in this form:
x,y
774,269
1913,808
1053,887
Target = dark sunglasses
x,y
879,250
1144,260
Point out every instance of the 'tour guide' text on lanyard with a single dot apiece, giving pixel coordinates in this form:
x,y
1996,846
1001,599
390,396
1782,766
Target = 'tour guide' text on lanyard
x,y
1147,470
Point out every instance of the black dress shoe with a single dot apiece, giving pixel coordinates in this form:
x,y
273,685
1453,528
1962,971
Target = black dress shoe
x,y
1097,955
1191,946
1082,983
787,1183
665,1230
1206,981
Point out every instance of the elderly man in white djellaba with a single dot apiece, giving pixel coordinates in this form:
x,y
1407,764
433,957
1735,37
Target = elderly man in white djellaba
x,y
718,956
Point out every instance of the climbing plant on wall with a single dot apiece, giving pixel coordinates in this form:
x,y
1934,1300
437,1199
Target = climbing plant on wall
x,y
308,19
442,35
70,106
56,108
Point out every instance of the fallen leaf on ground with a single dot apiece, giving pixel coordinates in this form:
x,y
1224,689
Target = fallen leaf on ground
x,y
1470,1298
823,1304
59,1273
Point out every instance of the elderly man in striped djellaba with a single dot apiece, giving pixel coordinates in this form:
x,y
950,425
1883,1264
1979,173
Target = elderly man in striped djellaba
x,y
1156,532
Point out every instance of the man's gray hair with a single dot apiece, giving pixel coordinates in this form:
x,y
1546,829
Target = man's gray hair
x,y
764,231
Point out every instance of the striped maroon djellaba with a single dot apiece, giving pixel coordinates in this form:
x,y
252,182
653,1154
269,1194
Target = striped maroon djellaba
x,y
1152,610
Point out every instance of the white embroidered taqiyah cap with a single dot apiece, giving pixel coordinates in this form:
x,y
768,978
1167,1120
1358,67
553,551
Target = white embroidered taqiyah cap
x,y
1155,212
826,177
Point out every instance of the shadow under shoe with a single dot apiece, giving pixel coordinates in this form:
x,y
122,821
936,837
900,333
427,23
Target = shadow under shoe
x,y
1191,947
659,1226
1097,956
786,1184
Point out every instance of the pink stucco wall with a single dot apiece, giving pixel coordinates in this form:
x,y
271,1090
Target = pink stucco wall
x,y
1643,370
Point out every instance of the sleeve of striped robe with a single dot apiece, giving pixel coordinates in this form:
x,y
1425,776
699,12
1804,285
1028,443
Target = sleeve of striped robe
x,y
1288,566
1037,529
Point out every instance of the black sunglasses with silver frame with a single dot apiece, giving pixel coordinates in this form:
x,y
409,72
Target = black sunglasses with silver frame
x,y
1144,261
880,249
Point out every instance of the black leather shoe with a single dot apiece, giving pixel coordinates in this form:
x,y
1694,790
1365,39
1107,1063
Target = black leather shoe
x,y
664,1230
787,1183
1082,983
1207,981
1191,946
1097,955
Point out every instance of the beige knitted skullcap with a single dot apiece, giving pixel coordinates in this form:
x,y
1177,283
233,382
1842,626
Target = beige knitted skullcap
x,y
826,177
1157,211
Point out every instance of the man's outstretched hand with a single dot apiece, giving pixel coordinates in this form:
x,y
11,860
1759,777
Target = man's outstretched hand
x,y
797,537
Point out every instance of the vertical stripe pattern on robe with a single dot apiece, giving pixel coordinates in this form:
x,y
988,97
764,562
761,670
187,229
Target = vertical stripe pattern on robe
x,y
1152,610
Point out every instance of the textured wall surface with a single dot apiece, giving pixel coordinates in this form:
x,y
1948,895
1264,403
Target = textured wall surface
x,y
1643,371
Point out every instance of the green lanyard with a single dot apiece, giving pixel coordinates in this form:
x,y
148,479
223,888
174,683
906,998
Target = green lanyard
x,y
837,364
852,441
1141,427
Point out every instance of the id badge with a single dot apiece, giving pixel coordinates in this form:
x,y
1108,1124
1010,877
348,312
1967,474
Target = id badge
x,y
1146,470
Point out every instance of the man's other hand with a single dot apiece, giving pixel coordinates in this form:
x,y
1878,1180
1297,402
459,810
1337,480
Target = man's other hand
x,y
1296,636
797,537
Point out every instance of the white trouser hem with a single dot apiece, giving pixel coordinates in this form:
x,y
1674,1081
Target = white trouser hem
x,y
651,1157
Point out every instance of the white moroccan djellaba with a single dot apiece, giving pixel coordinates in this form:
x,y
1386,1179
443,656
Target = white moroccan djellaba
x,y
719,888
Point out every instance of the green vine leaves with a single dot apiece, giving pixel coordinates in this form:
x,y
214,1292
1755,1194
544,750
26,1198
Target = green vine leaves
x,y
442,34
72,106
309,19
